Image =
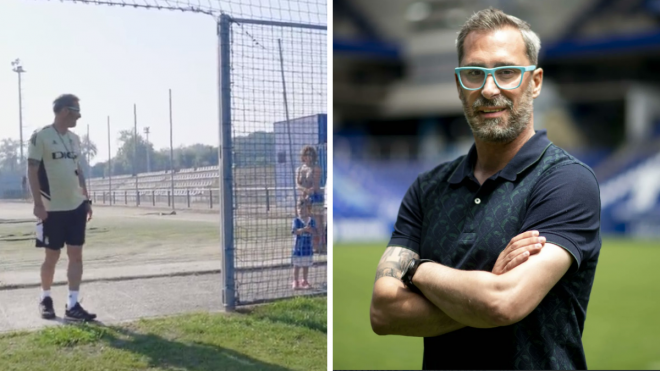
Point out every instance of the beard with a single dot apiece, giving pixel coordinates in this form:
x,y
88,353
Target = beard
x,y
499,129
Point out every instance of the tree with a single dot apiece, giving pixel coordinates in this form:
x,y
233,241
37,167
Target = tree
x,y
257,148
9,155
88,148
88,151
126,159
99,170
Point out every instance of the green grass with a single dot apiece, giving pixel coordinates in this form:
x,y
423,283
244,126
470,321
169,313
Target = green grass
x,y
621,330
100,230
116,240
287,335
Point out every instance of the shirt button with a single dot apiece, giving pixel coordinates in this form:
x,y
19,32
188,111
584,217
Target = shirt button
x,y
477,201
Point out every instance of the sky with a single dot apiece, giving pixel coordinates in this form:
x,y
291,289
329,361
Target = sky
x,y
114,57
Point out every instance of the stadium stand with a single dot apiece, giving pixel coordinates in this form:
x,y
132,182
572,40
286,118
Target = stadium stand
x,y
397,114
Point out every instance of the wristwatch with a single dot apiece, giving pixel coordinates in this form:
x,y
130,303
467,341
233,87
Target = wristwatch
x,y
409,272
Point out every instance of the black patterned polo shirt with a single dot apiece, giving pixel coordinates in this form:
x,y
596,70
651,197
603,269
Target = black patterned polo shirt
x,y
447,216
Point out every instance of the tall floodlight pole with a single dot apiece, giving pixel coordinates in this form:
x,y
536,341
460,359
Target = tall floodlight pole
x,y
135,144
109,166
18,68
171,153
146,133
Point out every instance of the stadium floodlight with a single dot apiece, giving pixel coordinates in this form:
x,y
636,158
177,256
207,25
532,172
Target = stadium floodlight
x,y
18,68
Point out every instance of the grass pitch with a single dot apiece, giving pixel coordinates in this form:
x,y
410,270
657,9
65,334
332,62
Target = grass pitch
x,y
621,331
287,335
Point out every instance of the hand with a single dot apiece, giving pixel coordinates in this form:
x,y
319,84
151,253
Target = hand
x,y
518,251
40,212
89,211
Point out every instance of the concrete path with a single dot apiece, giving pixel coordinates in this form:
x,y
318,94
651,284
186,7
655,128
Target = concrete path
x,y
26,279
117,301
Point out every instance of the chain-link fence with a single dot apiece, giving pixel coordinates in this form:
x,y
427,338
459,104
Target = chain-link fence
x,y
273,91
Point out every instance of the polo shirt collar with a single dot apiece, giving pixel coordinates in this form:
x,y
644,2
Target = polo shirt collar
x,y
528,155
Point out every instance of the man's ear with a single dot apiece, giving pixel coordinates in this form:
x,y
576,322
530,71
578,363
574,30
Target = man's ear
x,y
537,78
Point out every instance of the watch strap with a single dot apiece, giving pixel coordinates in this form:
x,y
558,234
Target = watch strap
x,y
408,274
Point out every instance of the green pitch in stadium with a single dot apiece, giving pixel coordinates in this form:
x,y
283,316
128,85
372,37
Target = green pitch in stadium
x,y
493,255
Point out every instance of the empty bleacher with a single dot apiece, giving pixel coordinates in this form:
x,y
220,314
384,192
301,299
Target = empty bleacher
x,y
253,187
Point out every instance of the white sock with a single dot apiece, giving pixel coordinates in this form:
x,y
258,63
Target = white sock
x,y
73,299
44,293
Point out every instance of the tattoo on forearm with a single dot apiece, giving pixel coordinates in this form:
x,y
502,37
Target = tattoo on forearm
x,y
388,270
393,262
387,254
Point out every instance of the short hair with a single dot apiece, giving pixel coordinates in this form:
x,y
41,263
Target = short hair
x,y
494,19
64,100
309,150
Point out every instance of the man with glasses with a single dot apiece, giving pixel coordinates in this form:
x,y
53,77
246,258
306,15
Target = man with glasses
x,y
61,203
493,255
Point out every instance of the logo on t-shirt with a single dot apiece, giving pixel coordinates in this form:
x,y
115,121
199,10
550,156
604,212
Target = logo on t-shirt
x,y
61,155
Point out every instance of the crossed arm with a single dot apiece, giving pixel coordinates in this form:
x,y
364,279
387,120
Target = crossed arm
x,y
455,298
308,229
395,310
316,181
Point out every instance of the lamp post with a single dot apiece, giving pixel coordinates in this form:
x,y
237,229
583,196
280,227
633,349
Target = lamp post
x,y
18,68
146,133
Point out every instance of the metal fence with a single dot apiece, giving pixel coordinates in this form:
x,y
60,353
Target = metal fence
x,y
246,199
273,83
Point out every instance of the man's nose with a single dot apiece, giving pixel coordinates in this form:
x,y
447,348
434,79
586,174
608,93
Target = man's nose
x,y
490,89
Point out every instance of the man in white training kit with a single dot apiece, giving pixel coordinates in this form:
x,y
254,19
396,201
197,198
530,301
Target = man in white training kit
x,y
61,203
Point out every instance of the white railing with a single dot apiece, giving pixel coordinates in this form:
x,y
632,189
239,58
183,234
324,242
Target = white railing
x,y
265,198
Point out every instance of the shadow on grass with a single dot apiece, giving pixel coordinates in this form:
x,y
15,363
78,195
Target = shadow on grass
x,y
167,354
160,353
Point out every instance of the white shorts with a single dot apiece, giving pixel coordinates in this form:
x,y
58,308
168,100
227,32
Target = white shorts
x,y
302,261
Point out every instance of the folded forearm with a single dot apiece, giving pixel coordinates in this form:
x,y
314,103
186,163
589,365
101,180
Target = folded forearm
x,y
395,310
468,297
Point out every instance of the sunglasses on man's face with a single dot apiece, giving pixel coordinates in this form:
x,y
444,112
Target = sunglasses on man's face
x,y
74,109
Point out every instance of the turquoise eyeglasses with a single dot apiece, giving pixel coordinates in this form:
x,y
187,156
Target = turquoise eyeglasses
x,y
506,77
